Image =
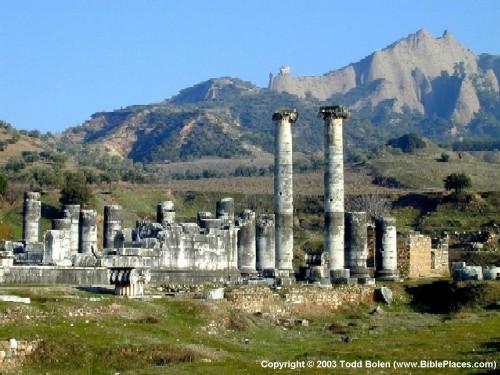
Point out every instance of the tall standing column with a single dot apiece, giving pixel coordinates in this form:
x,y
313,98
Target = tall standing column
x,y
88,231
386,250
112,224
283,190
72,212
32,210
333,117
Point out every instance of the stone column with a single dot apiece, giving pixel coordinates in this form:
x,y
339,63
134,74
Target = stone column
x,y
386,250
56,247
165,213
112,224
224,209
72,212
265,243
246,243
88,231
283,190
356,246
32,210
334,190
64,227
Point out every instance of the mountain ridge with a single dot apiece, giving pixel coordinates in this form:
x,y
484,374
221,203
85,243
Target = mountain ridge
x,y
407,70
444,92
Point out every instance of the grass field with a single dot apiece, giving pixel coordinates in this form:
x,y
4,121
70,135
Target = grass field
x,y
423,170
87,333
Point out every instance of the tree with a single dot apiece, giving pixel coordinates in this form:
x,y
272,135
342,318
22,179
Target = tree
x,y
407,143
457,182
3,184
444,157
375,205
76,190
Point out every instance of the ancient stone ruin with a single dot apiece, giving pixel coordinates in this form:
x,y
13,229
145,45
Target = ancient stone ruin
x,y
227,248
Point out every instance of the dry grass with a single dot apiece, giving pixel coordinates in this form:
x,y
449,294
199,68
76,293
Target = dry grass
x,y
303,184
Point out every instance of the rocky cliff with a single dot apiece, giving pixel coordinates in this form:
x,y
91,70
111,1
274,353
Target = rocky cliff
x,y
422,73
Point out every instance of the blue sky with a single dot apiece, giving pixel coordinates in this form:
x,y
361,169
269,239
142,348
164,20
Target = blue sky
x,y
61,61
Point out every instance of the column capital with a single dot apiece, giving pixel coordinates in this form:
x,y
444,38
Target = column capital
x,y
334,111
286,114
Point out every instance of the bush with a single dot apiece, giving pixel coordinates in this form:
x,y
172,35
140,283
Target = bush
x,y
407,143
3,184
76,190
445,158
47,177
34,134
457,182
30,156
14,165
389,182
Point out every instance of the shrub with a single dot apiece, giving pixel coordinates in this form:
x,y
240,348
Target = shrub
x,y
407,143
445,158
3,184
457,182
76,190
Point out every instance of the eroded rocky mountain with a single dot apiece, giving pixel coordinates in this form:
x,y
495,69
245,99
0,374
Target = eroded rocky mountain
x,y
433,86
422,73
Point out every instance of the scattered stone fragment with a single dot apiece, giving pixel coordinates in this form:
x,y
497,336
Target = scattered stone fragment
x,y
384,294
215,294
10,298
377,310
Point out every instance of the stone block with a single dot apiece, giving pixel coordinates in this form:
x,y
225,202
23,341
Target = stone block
x,y
215,294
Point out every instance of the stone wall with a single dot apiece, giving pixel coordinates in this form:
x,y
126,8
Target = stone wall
x,y
417,258
439,256
55,275
293,300
414,255
172,277
100,276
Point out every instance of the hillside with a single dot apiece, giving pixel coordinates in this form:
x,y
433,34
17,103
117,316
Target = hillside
x,y
432,86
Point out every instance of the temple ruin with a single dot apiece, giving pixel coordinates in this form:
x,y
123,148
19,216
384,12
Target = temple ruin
x,y
227,248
